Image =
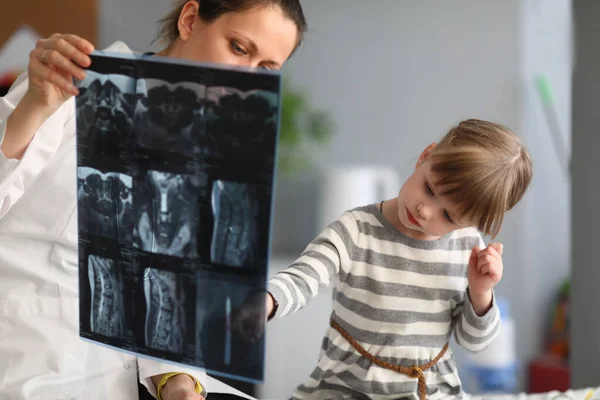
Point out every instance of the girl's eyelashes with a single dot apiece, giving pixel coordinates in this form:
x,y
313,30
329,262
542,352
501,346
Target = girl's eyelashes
x,y
428,189
448,217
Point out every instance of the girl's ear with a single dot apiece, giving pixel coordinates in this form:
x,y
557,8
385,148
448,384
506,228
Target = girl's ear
x,y
425,154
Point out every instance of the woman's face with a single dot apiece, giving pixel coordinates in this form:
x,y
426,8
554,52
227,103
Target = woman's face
x,y
261,37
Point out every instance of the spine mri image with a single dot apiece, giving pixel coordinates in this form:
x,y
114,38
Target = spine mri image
x,y
107,306
235,210
239,125
168,214
175,171
106,201
165,311
167,108
104,114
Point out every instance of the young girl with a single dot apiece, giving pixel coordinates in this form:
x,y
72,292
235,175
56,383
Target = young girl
x,y
411,271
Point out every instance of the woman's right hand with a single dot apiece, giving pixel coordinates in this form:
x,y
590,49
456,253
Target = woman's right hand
x,y
53,64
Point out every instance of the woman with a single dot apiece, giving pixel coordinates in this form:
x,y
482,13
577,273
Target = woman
x,y
41,355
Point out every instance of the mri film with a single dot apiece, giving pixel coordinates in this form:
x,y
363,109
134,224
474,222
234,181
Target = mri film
x,y
168,214
235,212
240,126
104,114
107,315
221,345
105,203
165,322
175,172
167,115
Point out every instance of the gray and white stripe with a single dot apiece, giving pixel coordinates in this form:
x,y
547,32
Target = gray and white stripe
x,y
400,298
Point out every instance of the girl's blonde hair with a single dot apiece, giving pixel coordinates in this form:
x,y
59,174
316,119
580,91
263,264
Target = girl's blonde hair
x,y
483,169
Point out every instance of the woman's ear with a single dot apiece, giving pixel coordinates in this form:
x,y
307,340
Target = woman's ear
x,y
187,18
425,154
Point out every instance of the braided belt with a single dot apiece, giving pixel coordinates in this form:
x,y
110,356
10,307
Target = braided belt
x,y
412,372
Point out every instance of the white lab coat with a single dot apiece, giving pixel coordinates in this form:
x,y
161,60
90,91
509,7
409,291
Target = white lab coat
x,y
41,354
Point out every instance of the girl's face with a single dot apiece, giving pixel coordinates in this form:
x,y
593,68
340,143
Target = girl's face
x,y
261,37
422,212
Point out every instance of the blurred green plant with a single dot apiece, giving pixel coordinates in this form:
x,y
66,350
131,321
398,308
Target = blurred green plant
x,y
304,129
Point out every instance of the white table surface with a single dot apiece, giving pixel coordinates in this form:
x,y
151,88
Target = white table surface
x,y
583,394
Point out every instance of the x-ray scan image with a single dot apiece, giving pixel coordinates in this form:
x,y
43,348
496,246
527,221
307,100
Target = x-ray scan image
x,y
104,112
165,321
105,203
235,212
240,125
107,316
168,214
220,346
167,115
175,171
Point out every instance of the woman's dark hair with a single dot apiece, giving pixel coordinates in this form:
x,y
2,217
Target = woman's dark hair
x,y
210,10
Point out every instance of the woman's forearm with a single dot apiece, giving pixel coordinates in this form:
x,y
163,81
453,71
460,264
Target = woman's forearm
x,y
21,126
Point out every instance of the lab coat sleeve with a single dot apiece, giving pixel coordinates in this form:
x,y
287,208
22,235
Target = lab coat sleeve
x,y
17,175
149,368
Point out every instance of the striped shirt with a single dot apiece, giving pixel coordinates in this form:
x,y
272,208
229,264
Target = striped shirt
x,y
398,297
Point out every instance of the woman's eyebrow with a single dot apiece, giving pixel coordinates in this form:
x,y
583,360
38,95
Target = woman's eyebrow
x,y
251,42
254,48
